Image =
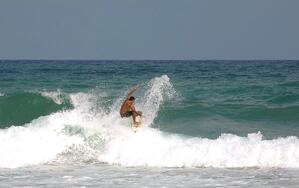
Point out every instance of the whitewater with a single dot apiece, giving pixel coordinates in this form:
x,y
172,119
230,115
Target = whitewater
x,y
91,133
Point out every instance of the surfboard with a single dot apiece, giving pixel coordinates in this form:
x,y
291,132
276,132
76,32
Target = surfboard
x,y
138,125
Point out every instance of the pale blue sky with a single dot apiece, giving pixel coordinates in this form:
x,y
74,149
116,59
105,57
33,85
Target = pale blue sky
x,y
149,29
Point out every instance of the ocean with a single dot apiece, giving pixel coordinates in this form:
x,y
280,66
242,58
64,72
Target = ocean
x,y
206,124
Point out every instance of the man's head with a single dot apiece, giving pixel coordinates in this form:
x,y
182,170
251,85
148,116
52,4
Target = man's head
x,y
132,99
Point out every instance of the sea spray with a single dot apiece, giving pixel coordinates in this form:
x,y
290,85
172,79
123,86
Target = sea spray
x,y
57,96
158,91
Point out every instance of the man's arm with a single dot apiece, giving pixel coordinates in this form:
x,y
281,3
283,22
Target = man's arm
x,y
132,91
132,107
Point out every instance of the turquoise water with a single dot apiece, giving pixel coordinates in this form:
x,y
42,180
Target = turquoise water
x,y
218,123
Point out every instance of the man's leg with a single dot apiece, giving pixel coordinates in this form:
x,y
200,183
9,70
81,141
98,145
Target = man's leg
x,y
134,114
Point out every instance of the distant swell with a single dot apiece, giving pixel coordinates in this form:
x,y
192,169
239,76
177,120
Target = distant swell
x,y
21,108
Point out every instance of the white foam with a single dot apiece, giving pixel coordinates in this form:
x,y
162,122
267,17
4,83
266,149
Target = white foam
x,y
1,94
45,138
36,143
153,148
56,96
88,133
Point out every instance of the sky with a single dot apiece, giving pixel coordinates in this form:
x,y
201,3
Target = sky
x,y
149,29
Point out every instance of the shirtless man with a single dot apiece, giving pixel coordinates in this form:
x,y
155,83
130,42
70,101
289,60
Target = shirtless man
x,y
127,108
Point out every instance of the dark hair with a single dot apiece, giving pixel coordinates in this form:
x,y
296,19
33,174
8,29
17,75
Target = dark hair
x,y
131,98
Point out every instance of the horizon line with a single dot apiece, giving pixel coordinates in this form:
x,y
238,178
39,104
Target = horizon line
x,y
149,59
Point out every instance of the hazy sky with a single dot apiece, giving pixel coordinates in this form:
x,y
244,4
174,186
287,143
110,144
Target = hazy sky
x,y
149,29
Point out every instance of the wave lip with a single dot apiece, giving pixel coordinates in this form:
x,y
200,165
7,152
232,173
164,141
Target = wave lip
x,y
56,96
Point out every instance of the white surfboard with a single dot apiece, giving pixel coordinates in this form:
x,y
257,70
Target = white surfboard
x,y
138,125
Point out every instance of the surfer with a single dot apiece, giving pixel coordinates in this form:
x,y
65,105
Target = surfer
x,y
127,108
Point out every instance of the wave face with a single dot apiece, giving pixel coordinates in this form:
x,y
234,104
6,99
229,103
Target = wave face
x,y
21,108
91,131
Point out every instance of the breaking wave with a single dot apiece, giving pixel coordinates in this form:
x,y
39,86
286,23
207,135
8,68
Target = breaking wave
x,y
90,132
